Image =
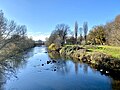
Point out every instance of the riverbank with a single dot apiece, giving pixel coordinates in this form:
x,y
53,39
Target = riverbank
x,y
109,50
43,69
106,59
12,50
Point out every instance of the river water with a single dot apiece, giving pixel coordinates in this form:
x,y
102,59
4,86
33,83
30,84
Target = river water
x,y
31,71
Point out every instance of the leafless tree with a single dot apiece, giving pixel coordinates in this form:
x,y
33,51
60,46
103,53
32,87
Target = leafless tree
x,y
58,36
62,30
12,36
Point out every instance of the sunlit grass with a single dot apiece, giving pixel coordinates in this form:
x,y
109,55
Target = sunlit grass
x,y
110,50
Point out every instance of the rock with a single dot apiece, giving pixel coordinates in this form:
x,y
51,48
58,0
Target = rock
x,y
54,69
107,72
42,64
84,59
101,70
53,61
48,62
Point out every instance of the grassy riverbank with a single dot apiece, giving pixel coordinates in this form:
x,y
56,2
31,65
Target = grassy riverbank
x,y
109,50
103,58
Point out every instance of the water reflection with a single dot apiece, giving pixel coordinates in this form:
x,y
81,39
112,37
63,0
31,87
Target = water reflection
x,y
115,84
43,71
9,66
76,68
63,67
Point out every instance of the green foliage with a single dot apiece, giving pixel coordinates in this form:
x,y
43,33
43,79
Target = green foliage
x,y
52,47
97,35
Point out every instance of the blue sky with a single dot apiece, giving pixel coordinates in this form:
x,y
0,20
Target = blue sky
x,y
41,16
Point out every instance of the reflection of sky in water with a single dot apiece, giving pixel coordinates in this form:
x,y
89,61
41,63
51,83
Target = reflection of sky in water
x,y
39,49
61,75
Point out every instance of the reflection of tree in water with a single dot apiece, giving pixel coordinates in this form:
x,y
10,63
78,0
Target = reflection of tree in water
x,y
2,81
85,68
61,66
81,65
54,55
9,66
115,84
76,68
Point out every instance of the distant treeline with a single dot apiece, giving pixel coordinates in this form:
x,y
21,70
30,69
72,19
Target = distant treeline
x,y
108,34
13,37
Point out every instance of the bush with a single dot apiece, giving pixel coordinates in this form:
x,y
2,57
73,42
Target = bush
x,y
52,47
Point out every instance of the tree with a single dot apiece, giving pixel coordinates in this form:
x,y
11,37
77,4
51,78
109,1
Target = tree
x,y
85,29
12,36
117,19
97,35
76,31
80,30
113,32
70,39
3,24
62,30
6,29
58,36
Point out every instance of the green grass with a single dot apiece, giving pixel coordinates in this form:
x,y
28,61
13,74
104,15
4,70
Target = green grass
x,y
110,50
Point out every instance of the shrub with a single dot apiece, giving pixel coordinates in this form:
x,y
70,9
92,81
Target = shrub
x,y
52,47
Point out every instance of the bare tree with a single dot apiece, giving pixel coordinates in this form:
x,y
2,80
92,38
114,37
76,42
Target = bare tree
x,y
112,31
117,19
12,36
62,30
11,33
3,29
85,29
3,24
58,36
76,31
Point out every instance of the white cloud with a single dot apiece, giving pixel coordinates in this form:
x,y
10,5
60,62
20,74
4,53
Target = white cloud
x,y
38,35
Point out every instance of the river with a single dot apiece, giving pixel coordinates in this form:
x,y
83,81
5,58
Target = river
x,y
35,70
